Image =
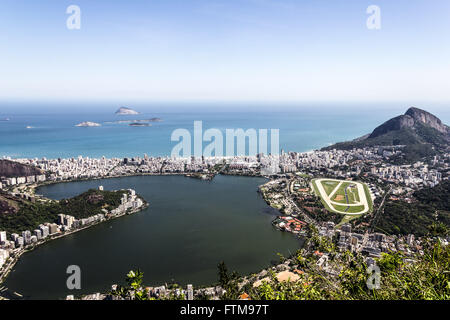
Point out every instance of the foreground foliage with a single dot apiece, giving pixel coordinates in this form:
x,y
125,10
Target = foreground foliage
x,y
427,278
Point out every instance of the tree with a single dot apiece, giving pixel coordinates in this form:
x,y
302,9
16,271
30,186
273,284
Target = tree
x,y
229,282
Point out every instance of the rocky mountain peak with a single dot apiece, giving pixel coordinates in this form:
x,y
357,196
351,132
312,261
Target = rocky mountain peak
x,y
426,118
412,118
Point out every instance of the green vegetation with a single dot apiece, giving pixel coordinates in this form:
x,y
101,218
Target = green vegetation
x,y
430,213
31,215
316,191
134,289
228,281
368,197
340,194
437,197
425,279
353,195
329,186
351,209
348,218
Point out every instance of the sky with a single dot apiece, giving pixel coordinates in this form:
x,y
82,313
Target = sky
x,y
225,50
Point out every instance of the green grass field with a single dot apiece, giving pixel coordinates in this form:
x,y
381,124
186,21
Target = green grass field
x,y
348,218
355,193
351,209
329,186
316,191
352,193
368,197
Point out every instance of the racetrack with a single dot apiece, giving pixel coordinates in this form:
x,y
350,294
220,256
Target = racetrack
x,y
333,205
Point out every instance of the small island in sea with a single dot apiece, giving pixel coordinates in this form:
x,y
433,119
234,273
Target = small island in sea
x,y
126,111
139,124
88,124
136,121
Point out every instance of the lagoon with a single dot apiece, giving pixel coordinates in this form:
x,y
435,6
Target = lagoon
x,y
190,226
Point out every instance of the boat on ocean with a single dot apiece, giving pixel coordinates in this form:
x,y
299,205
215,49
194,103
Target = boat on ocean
x,y
5,119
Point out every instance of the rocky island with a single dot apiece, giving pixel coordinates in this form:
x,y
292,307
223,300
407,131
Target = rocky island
x,y
126,111
135,121
88,124
139,124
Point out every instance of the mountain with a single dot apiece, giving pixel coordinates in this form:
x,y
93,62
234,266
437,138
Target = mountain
x,y
15,169
126,111
421,132
412,119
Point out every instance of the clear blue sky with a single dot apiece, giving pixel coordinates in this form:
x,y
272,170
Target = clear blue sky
x,y
220,50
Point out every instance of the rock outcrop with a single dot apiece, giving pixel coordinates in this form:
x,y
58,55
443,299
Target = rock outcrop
x,y
126,111
410,120
421,133
10,169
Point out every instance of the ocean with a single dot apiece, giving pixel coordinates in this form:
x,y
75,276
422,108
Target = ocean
x,y
48,130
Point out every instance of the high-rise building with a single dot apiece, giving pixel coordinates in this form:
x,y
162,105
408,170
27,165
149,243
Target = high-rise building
x,y
53,228
68,221
61,218
190,292
38,234
410,239
2,236
347,227
45,231
26,235
4,254
19,242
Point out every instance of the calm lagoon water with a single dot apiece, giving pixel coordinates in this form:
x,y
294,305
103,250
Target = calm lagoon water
x,y
190,226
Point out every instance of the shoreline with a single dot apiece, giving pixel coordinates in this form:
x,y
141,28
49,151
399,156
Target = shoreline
x,y
34,186
17,254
